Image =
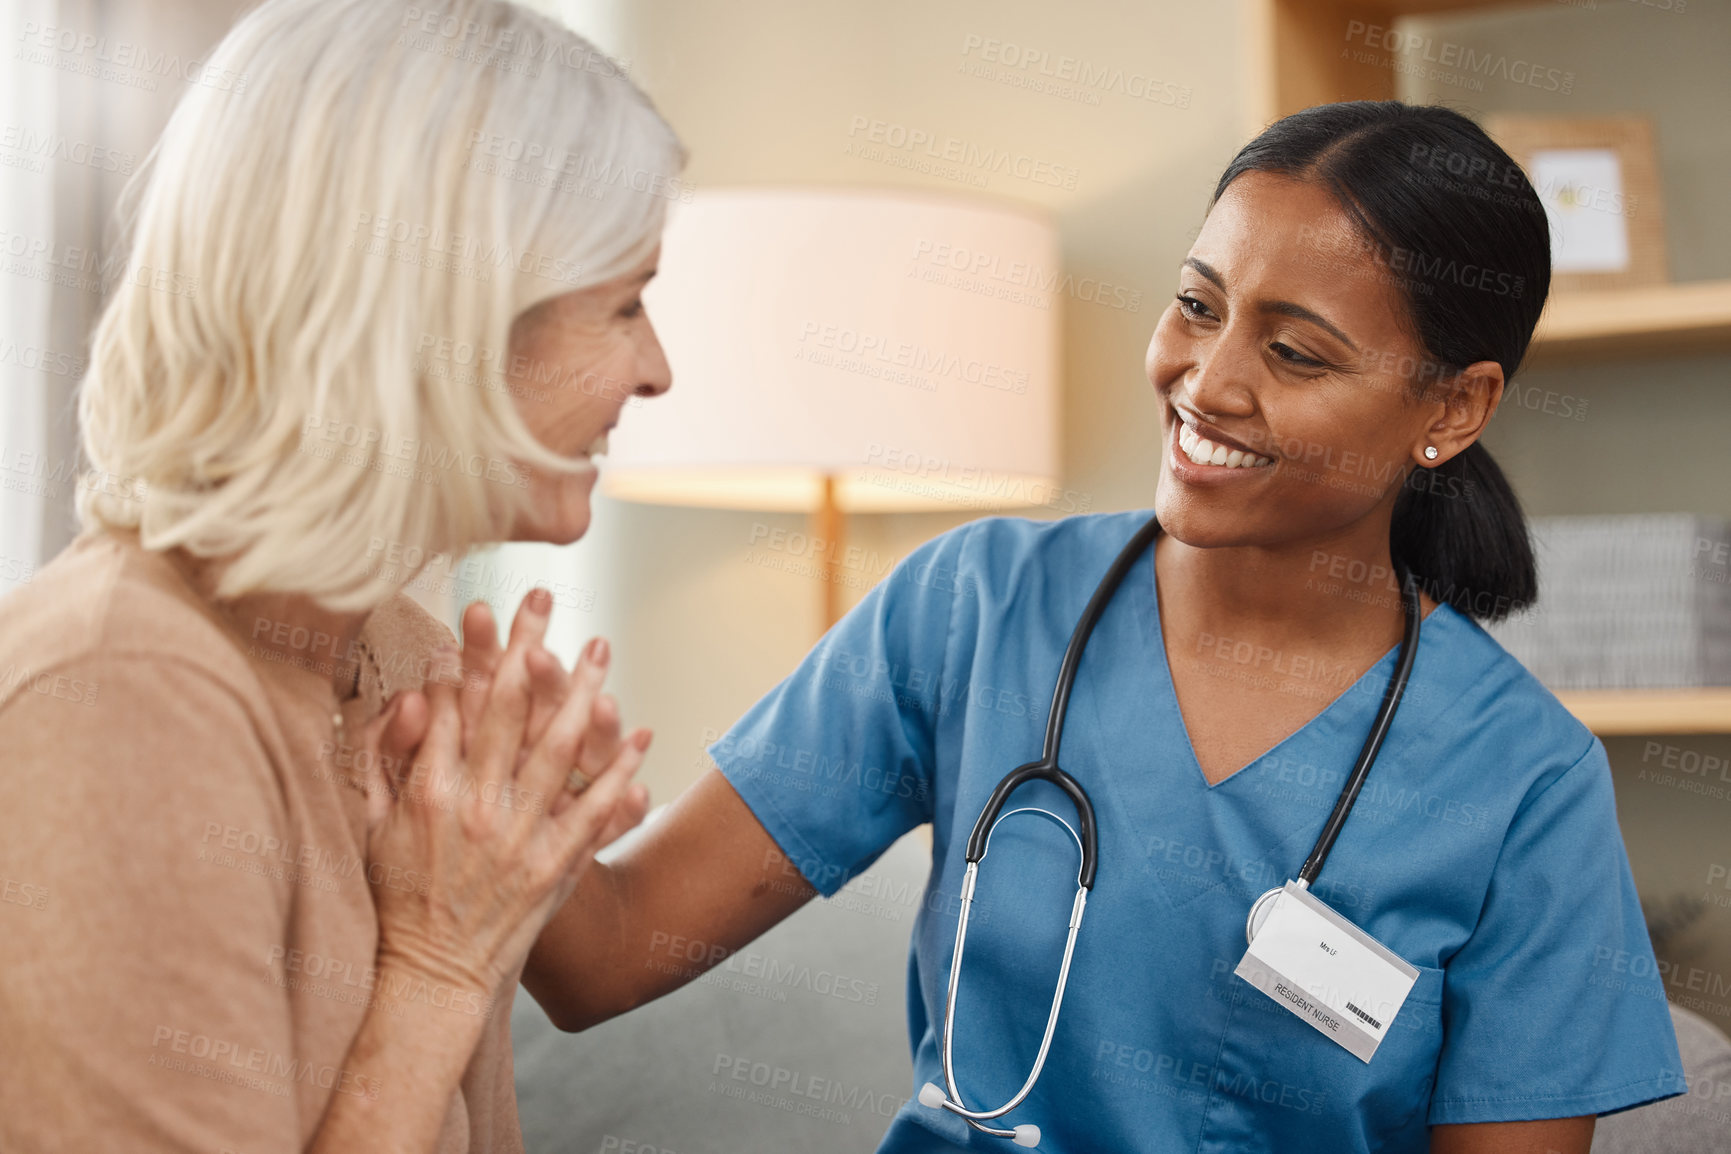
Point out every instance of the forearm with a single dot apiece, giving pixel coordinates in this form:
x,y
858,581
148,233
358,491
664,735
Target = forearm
x,y
580,970
700,882
400,1073
1547,1136
636,930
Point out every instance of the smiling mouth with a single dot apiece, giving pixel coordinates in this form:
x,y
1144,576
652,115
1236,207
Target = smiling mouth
x,y
597,447
1201,451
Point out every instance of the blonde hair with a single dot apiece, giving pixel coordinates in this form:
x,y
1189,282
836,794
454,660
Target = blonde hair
x,y
259,310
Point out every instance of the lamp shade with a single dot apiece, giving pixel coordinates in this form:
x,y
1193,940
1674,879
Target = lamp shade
x,y
900,345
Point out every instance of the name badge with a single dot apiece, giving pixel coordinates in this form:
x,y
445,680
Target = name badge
x,y
1332,974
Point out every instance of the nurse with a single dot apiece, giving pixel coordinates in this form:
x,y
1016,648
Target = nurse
x,y
1366,280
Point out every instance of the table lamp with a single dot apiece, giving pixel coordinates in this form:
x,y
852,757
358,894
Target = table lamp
x,y
841,351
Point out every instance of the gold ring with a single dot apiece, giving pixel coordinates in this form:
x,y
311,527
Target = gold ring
x,y
576,782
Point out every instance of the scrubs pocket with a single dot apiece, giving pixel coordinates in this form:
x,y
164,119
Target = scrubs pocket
x,y
1281,1087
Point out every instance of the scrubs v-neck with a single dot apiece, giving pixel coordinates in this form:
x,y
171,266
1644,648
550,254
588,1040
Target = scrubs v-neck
x,y
1484,849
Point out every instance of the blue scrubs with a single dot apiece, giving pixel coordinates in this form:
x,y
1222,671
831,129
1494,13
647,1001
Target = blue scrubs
x,y
1484,850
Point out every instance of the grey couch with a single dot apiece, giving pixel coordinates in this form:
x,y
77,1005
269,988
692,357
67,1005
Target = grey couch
x,y
797,1043
1699,1122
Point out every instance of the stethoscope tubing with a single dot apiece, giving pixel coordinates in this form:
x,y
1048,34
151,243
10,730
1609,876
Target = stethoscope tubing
x,y
1379,728
1084,628
1391,696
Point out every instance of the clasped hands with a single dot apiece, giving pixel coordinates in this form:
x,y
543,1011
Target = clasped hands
x,y
493,835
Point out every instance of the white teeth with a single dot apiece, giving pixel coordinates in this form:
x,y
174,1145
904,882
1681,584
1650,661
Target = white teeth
x,y
1202,451
597,447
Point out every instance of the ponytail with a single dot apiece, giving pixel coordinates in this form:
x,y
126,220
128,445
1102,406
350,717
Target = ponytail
x,y
1458,529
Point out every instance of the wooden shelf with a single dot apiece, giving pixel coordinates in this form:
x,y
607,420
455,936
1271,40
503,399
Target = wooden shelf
x,y
1626,712
1298,52
1393,8
1664,319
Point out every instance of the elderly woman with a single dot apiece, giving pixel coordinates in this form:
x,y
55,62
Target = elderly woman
x,y
283,862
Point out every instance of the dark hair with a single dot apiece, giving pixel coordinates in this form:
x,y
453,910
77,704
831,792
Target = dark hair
x,y
1439,201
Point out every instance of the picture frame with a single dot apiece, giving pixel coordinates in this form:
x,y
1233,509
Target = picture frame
x,y
1598,178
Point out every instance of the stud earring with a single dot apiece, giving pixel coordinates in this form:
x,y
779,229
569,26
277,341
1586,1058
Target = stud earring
x,y
1430,452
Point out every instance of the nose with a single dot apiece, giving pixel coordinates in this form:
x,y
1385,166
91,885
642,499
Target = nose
x,y
654,374
1218,385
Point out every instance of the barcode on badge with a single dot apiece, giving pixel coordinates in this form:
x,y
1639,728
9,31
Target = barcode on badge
x,y
1374,1024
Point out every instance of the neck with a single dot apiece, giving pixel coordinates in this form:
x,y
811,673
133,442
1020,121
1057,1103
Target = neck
x,y
289,628
1337,592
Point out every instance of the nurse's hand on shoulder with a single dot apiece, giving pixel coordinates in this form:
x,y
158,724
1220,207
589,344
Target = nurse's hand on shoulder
x,y
1550,1136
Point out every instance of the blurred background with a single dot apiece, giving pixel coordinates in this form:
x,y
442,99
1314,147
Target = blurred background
x,y
1621,423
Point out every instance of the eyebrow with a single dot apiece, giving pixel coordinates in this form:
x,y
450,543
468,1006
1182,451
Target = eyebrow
x,y
1284,308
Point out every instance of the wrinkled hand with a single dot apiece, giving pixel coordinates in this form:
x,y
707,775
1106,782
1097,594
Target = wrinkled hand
x,y
551,686
467,857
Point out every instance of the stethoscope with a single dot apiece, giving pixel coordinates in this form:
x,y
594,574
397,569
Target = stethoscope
x,y
1087,841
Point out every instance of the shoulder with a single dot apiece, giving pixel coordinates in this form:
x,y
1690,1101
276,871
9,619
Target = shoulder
x,y
106,605
1492,698
995,557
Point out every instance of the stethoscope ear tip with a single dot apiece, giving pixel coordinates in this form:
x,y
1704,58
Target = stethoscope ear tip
x,y
932,1097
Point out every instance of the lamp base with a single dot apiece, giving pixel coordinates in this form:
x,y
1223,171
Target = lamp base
x,y
828,524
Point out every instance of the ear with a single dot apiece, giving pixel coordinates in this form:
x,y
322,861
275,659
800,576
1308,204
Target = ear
x,y
1462,408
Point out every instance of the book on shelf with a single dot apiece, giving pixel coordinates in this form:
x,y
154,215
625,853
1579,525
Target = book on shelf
x,y
1627,602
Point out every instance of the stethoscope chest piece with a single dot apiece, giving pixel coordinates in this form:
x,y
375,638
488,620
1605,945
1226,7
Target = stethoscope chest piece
x,y
1259,912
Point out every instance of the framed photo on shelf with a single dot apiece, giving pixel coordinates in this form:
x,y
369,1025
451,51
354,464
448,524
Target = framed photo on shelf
x,y
1598,178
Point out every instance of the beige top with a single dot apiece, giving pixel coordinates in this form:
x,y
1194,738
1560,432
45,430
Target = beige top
x,y
187,933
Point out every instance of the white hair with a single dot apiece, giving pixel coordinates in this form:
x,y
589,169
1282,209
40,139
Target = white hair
x,y
304,360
